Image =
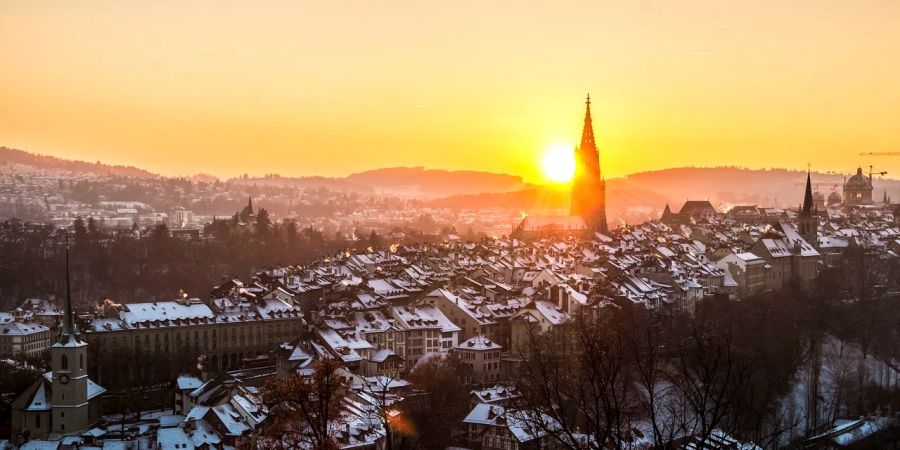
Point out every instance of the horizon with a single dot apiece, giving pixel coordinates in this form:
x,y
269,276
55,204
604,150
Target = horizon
x,y
542,182
241,89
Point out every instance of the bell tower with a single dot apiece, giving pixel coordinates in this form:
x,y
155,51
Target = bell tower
x,y
68,360
588,186
809,216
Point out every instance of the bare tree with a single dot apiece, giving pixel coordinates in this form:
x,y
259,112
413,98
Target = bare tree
x,y
580,375
303,408
708,371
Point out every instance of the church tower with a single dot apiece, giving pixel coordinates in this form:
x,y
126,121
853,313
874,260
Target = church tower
x,y
588,185
809,216
71,410
64,401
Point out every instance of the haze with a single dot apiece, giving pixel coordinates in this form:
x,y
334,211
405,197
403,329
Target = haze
x,y
333,87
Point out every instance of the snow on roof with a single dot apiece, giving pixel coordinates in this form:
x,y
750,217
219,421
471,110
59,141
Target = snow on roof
x,y
232,420
173,438
204,434
185,382
551,313
94,389
41,399
162,311
496,393
40,445
480,343
21,328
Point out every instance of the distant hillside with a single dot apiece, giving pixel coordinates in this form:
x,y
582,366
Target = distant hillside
x,y
46,162
633,197
402,181
643,195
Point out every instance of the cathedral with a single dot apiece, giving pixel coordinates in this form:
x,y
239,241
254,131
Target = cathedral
x,y
588,185
63,401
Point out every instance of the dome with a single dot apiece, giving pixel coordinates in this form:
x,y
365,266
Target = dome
x,y
818,196
859,180
834,198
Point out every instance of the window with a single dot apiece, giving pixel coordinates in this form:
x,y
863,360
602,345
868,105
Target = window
x,y
64,362
37,420
81,361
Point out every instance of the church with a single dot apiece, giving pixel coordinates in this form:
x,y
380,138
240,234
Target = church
x,y
587,213
63,401
588,186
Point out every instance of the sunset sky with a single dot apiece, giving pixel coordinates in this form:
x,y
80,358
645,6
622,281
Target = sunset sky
x,y
307,87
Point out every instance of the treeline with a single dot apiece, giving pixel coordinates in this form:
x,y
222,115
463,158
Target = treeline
x,y
150,264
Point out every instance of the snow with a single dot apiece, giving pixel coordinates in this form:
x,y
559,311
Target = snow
x,y
94,389
163,312
186,382
173,439
480,343
40,445
40,401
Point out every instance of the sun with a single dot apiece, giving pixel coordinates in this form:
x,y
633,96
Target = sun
x,y
558,164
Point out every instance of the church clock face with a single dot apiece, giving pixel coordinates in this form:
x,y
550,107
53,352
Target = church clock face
x,y
64,379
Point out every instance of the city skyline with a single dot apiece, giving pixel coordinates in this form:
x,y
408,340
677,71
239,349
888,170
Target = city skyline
x,y
231,89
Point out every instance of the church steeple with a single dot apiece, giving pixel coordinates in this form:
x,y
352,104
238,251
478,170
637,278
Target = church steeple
x,y
587,133
809,217
68,329
807,197
588,187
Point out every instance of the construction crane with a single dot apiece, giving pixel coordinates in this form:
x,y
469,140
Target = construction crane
x,y
879,154
872,172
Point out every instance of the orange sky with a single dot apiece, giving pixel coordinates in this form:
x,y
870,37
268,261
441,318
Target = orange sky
x,y
331,87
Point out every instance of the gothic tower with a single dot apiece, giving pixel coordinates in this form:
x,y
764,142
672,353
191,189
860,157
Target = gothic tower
x,y
588,185
809,216
71,410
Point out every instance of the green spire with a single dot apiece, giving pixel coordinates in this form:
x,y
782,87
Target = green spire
x,y
68,329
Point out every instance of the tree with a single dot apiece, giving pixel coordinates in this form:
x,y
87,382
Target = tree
x,y
439,399
302,408
263,223
580,375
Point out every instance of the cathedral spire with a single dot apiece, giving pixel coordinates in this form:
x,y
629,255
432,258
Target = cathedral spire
x,y
807,197
587,134
68,329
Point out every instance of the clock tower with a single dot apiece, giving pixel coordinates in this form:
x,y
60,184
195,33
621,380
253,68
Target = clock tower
x,y
64,401
71,410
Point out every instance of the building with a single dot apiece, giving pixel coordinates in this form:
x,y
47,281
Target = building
x,y
491,426
696,211
482,355
26,339
748,270
63,401
226,330
539,227
588,185
858,189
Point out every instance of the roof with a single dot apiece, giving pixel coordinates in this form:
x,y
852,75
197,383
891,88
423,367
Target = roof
x,y
479,343
21,329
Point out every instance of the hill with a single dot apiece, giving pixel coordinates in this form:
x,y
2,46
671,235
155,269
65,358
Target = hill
x,y
401,181
46,162
643,195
